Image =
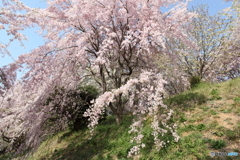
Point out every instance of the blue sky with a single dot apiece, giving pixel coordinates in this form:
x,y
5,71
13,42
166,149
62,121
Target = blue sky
x,y
34,40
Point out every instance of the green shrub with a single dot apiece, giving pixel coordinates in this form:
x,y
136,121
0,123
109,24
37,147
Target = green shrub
x,y
7,156
217,144
76,103
194,81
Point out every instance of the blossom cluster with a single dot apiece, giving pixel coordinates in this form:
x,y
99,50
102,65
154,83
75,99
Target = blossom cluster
x,y
149,104
110,41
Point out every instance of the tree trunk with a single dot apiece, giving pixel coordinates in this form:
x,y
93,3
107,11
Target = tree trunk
x,y
118,118
117,109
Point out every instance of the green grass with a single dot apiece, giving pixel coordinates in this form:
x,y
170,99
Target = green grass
x,y
187,100
110,140
202,117
217,144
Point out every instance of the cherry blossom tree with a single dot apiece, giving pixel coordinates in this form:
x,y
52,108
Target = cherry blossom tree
x,y
228,65
113,43
214,59
211,34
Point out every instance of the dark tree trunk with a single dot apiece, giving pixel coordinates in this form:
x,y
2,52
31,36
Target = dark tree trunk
x,y
117,109
118,119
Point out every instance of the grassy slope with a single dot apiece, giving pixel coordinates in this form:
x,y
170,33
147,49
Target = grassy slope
x,y
208,118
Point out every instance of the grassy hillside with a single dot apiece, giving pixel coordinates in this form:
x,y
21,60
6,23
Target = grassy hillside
x,y
208,117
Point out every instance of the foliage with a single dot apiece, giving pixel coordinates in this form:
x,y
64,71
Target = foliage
x,y
236,99
116,146
194,80
215,94
194,143
187,99
153,107
211,60
76,103
216,144
111,44
233,134
199,127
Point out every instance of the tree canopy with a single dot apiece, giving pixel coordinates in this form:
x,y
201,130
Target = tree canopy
x,y
113,44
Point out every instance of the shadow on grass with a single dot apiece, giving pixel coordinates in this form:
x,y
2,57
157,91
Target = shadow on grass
x,y
101,146
186,100
6,157
85,150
